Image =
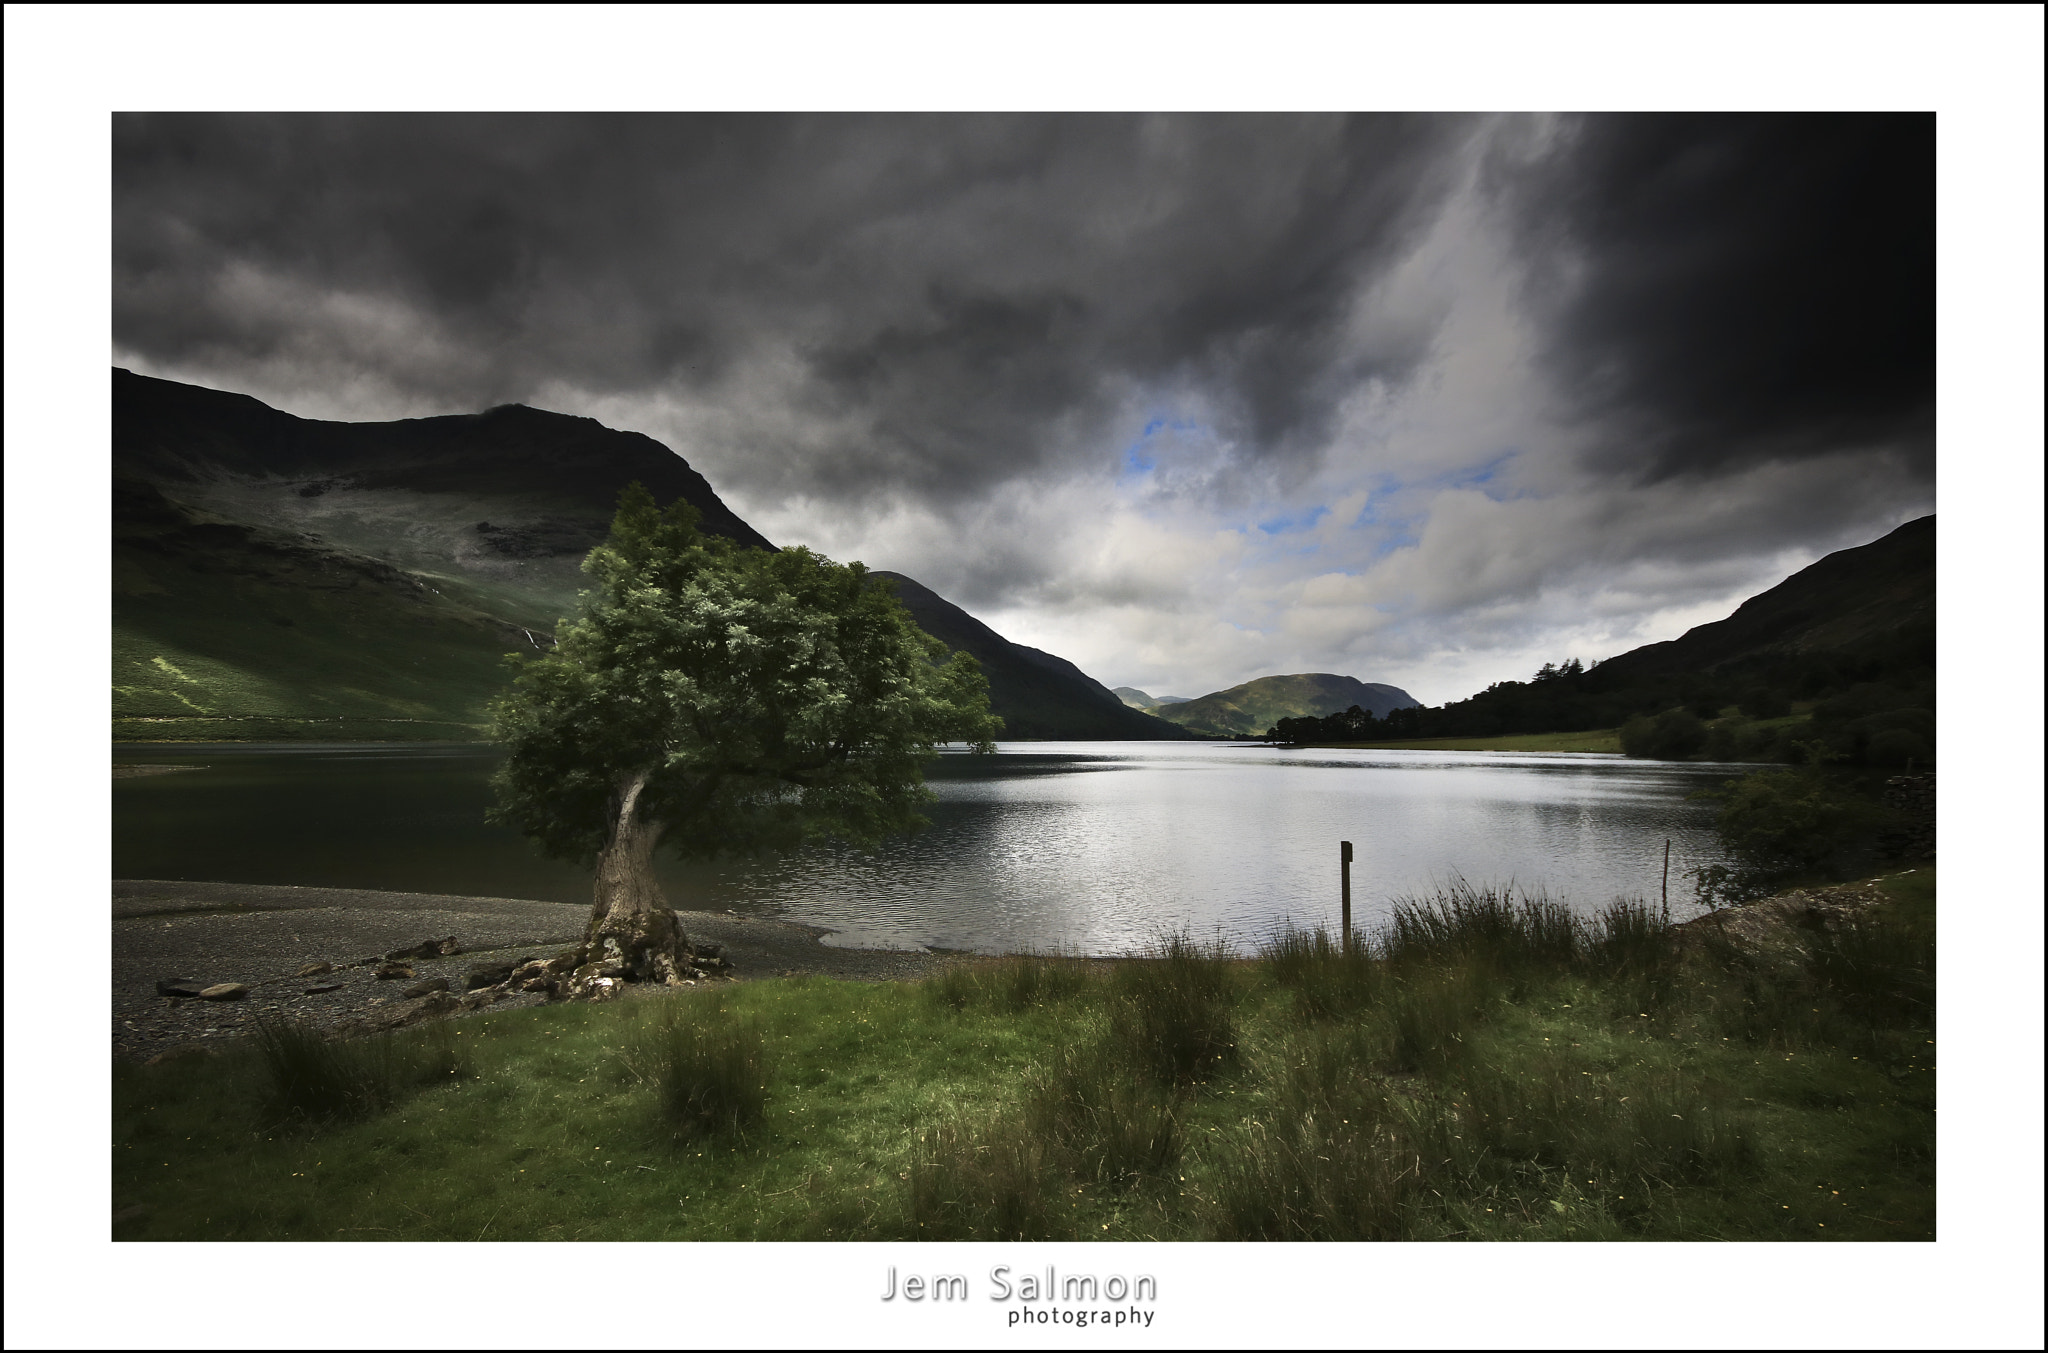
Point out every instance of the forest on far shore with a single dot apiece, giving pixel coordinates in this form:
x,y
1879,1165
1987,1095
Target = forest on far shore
x,y
1868,705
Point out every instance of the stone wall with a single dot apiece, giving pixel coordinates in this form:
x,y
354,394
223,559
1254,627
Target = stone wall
x,y
1912,798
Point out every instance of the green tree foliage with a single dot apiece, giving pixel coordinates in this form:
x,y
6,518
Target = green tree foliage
x,y
1781,826
1671,736
1878,724
717,700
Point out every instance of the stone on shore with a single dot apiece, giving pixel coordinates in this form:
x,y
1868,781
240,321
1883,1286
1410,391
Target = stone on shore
x,y
187,987
486,975
315,970
425,949
426,988
402,1014
224,991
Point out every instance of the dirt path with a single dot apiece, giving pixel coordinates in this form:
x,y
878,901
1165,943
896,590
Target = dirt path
x,y
260,935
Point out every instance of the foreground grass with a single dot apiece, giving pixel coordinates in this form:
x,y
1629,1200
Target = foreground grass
x,y
1490,1072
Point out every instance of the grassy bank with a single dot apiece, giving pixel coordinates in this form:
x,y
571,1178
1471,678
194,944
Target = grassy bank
x,y
264,728
1489,1070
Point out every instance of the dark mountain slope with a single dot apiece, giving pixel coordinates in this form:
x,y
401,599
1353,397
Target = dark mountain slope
x,y
1853,632
1038,695
1843,601
277,576
185,435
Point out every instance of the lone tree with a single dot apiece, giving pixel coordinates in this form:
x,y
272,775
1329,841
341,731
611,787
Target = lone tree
x,y
718,700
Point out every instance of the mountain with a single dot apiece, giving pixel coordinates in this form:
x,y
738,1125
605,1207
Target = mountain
x,y
1038,695
1137,699
1250,709
1853,634
1845,601
278,576
282,577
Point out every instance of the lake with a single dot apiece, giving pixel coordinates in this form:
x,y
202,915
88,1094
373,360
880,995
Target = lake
x,y
1090,847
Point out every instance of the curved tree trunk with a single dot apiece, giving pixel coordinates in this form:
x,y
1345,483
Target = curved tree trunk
x,y
634,935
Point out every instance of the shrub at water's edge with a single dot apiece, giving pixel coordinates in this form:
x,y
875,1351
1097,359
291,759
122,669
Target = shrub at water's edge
x,y
1804,823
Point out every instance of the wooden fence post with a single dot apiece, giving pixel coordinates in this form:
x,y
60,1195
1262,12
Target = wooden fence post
x,y
1345,856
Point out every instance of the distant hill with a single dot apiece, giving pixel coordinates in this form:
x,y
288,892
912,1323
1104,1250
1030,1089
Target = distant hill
x,y
1843,601
1252,708
281,577
1137,699
1038,695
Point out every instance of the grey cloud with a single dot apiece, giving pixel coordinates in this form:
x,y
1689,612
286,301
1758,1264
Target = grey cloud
x,y
969,297
1705,343
1723,290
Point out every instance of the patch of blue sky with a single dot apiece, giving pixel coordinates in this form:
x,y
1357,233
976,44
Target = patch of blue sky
x,y
1398,530
1141,457
1395,540
1300,521
1379,491
1482,477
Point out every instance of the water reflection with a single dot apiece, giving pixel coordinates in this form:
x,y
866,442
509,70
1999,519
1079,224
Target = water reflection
x,y
1092,847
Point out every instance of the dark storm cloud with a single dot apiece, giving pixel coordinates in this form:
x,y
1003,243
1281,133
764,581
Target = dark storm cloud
x,y
942,302
1721,290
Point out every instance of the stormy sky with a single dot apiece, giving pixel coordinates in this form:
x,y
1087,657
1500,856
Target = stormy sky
x,y
1422,399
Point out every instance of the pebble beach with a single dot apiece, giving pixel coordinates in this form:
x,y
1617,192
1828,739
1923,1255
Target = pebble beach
x,y
261,935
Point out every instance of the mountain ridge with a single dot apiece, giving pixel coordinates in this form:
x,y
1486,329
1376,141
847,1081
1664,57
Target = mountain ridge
x,y
1840,600
1251,707
277,576
1043,695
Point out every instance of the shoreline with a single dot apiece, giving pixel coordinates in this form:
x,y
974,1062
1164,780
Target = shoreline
x,y
260,935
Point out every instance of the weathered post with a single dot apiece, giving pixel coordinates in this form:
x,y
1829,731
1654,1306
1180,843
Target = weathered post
x,y
1666,890
1345,857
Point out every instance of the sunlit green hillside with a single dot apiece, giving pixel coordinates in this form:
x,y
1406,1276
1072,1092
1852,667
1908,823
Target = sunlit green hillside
x,y
225,632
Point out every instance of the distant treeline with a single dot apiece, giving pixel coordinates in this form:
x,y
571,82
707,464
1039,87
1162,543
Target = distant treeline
x,y
1872,704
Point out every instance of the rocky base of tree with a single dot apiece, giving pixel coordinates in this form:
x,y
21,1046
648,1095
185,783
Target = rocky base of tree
x,y
646,948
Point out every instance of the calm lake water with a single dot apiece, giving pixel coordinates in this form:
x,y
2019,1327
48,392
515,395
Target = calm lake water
x,y
1088,846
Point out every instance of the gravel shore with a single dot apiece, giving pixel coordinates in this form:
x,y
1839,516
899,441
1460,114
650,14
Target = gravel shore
x,y
261,934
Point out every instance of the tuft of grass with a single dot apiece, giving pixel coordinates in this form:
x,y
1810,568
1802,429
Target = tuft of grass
x,y
1333,1163
1173,1011
955,987
1670,1128
1014,983
1881,970
1426,1016
1628,936
994,1184
1327,982
1629,948
1486,926
709,1067
1107,1127
309,1076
